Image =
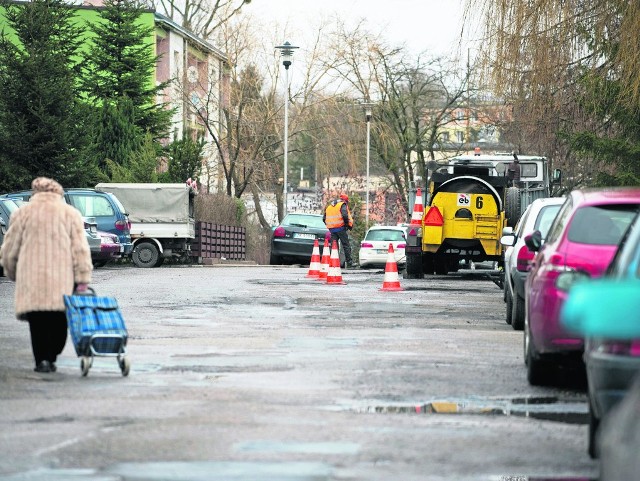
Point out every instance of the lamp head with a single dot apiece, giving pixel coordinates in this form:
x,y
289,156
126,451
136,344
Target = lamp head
x,y
368,109
286,52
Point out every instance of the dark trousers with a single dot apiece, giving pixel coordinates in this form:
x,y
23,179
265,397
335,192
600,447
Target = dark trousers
x,y
48,334
343,237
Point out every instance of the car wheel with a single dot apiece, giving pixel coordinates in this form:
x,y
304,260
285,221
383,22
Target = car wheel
x,y
275,260
414,266
509,307
537,368
594,422
517,313
145,254
99,263
427,263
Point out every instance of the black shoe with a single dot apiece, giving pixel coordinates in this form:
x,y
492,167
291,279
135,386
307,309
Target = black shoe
x,y
43,366
53,367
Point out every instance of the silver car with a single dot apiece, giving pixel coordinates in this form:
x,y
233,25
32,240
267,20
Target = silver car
x,y
518,258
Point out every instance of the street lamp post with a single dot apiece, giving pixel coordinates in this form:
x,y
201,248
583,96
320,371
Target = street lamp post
x,y
367,106
286,52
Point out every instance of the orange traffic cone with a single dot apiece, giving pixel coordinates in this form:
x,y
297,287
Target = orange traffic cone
x,y
324,265
314,265
391,280
335,274
418,209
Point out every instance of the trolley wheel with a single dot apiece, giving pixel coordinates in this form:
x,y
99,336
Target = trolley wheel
x,y
85,365
125,365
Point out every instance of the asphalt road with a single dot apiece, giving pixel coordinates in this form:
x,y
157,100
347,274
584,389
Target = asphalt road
x,y
258,373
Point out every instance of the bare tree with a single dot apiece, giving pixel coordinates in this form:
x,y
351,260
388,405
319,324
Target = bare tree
x,y
413,95
202,17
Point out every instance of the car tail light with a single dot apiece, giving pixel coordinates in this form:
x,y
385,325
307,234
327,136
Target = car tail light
x,y
525,259
433,217
366,245
122,225
327,235
621,348
279,232
401,246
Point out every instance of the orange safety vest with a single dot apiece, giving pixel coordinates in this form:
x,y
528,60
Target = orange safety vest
x,y
333,216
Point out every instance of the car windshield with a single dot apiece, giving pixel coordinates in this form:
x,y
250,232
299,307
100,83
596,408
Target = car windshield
x,y
304,220
384,235
545,218
601,225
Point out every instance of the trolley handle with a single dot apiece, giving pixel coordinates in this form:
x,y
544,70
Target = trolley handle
x,y
89,292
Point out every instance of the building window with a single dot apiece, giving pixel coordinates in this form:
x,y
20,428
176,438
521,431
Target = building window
x,y
460,136
445,136
459,115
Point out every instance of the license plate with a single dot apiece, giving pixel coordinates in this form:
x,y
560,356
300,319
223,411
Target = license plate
x,y
382,251
299,235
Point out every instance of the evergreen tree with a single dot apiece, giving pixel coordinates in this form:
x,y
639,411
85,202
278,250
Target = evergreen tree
x,y
185,158
121,63
116,136
41,128
144,162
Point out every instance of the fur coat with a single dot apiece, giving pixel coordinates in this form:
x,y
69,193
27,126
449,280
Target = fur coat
x,y
45,250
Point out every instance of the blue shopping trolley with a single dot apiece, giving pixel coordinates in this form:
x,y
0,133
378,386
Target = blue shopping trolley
x,y
97,329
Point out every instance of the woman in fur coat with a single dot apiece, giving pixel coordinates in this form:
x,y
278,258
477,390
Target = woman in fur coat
x,y
45,251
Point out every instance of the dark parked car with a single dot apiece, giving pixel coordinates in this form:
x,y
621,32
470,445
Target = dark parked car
x,y
583,237
608,310
292,241
107,210
612,364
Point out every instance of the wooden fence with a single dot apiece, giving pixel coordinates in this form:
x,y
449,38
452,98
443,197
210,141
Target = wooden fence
x,y
215,241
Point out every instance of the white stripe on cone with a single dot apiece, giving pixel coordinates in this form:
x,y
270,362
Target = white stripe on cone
x,y
324,264
418,209
314,265
391,280
335,274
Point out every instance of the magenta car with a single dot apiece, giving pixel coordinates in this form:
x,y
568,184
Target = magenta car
x,y
583,238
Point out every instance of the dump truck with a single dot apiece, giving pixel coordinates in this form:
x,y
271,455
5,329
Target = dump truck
x,y
162,219
470,199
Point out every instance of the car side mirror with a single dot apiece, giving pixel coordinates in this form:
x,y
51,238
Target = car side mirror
x,y
533,241
508,238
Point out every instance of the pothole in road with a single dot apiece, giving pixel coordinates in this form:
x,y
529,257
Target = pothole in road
x,y
544,408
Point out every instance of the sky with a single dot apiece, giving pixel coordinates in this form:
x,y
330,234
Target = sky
x,y
432,25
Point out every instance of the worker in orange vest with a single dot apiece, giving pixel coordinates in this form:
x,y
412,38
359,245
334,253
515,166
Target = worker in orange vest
x,y
338,219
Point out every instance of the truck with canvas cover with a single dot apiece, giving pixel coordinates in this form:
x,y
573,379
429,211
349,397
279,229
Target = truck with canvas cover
x,y
162,219
470,200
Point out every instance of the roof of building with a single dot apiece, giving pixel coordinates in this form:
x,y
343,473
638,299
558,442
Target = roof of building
x,y
203,44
